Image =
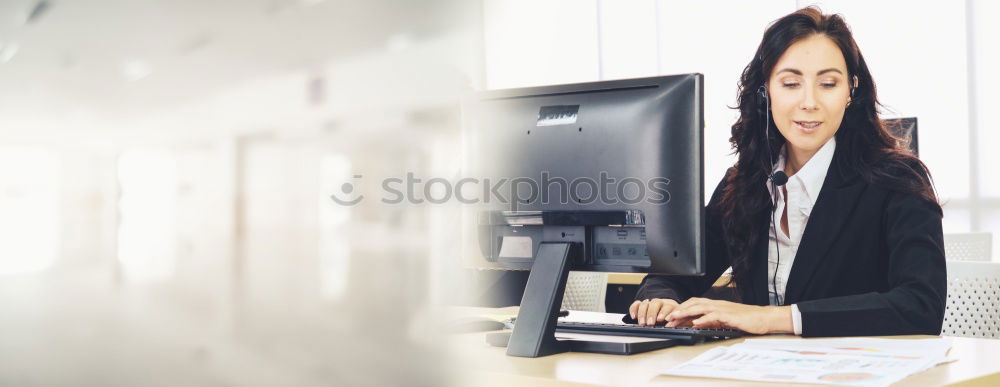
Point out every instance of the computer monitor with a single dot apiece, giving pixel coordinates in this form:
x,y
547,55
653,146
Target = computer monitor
x,y
906,130
604,176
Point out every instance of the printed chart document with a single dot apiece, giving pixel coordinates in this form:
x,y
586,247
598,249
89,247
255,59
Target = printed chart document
x,y
844,361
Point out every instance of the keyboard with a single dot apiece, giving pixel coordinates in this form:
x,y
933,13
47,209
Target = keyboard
x,y
686,333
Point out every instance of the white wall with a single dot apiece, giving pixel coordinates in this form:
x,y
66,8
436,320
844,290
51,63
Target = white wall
x,y
530,42
986,138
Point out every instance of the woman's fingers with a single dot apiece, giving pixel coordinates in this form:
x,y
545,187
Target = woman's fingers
x,y
650,312
700,313
668,306
681,322
658,310
689,311
640,313
690,303
654,309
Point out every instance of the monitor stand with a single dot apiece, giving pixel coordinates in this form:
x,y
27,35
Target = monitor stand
x,y
535,326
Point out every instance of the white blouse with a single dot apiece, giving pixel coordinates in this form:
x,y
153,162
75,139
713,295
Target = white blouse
x,y
802,190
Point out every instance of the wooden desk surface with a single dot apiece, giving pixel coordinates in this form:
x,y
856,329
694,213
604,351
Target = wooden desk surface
x,y
476,363
636,278
625,278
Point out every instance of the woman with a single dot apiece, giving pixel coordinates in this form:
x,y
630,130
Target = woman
x,y
851,245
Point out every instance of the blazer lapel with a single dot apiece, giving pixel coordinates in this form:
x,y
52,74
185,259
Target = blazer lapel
x,y
836,200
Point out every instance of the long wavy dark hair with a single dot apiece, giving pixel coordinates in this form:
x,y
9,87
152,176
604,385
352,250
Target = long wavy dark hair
x,y
863,143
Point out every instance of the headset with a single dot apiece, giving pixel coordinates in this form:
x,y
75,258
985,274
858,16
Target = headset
x,y
777,179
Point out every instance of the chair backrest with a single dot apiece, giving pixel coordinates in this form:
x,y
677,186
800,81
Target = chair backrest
x,y
973,246
585,291
973,308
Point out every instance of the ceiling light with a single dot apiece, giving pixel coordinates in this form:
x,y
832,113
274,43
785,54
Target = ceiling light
x,y
7,52
37,11
135,69
399,42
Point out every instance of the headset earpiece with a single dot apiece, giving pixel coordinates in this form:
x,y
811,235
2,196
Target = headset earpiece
x,y
761,98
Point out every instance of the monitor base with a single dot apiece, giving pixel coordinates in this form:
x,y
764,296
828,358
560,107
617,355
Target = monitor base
x,y
501,339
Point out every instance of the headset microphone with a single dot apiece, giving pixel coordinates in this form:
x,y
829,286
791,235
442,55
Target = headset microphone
x,y
777,179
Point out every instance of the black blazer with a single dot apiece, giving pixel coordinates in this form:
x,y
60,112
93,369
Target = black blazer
x,y
871,262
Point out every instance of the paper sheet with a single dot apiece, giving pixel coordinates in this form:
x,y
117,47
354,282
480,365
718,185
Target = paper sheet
x,y
847,361
579,316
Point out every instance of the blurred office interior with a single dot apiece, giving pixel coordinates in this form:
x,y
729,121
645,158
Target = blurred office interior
x,y
166,167
165,173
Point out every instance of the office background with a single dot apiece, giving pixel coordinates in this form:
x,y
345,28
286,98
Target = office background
x,y
166,166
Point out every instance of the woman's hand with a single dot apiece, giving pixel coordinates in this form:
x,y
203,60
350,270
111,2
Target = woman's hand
x,y
651,312
753,319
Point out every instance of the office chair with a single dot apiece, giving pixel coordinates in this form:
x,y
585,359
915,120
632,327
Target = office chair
x,y
973,246
973,308
585,291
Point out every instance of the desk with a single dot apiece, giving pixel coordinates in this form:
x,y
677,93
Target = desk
x,y
622,289
625,278
636,278
476,363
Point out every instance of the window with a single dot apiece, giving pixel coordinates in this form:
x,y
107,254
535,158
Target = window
x,y
147,230
29,209
334,241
